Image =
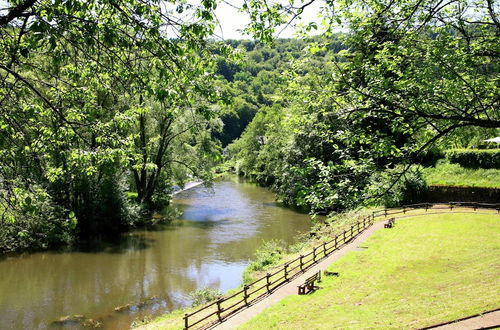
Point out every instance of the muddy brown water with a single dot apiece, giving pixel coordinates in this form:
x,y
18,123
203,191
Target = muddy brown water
x,y
146,273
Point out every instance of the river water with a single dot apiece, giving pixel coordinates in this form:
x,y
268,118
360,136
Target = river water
x,y
147,272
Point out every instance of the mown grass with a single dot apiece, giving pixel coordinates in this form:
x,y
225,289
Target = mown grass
x,y
456,175
427,269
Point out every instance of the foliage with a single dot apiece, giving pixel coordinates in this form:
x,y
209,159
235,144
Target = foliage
x,y
256,82
455,175
470,137
413,74
102,97
380,280
30,219
269,254
429,157
203,296
93,92
474,158
394,189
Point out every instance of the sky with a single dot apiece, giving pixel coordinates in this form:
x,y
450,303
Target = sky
x,y
232,21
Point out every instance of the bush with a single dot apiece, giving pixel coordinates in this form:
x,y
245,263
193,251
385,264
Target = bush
x,y
409,189
203,296
473,158
30,219
269,254
430,157
101,205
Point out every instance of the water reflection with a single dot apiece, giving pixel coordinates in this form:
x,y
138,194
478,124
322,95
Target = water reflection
x,y
147,271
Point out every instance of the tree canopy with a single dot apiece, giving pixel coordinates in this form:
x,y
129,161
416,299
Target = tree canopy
x,y
413,73
93,93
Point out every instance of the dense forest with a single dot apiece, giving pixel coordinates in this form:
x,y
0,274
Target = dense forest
x,y
105,106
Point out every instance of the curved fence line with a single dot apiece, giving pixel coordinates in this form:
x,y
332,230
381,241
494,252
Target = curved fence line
x,y
222,308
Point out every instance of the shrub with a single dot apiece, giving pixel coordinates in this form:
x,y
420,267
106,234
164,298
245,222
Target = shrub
x,y
30,219
473,158
430,157
203,296
269,254
409,189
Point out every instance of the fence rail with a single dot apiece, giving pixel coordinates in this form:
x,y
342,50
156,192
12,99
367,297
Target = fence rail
x,y
220,309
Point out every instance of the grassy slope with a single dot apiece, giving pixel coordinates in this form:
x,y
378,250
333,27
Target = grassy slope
x,y
455,175
426,270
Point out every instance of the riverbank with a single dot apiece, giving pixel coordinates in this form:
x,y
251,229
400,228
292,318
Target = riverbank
x,y
174,320
269,256
149,271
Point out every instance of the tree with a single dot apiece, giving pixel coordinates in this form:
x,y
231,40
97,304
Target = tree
x,y
80,83
413,73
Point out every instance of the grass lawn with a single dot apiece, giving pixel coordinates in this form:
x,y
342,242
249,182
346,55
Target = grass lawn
x,y
426,270
455,175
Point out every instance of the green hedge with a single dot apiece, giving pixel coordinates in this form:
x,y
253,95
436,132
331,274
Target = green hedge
x,y
473,158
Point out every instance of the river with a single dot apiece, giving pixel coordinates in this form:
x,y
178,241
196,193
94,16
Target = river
x,y
146,273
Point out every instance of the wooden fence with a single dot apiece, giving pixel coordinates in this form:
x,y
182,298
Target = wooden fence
x,y
220,309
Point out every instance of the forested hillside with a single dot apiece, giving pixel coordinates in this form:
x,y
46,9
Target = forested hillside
x,y
105,106
261,76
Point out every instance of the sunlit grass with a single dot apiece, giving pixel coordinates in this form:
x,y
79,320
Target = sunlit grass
x,y
427,269
455,175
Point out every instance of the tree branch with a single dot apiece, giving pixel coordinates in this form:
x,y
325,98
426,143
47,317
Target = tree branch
x,y
17,12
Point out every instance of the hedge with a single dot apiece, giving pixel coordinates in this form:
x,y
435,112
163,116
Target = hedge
x,y
445,193
473,158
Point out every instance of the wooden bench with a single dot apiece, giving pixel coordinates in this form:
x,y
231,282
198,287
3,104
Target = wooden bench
x,y
390,223
309,283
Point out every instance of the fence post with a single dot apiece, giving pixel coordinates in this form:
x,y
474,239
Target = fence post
x,y
426,206
404,210
245,294
345,232
219,309
314,255
186,326
336,238
267,281
352,231
301,256
475,206
286,271
451,206
324,248
385,212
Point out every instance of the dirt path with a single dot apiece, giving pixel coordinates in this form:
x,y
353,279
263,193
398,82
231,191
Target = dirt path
x,y
291,287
